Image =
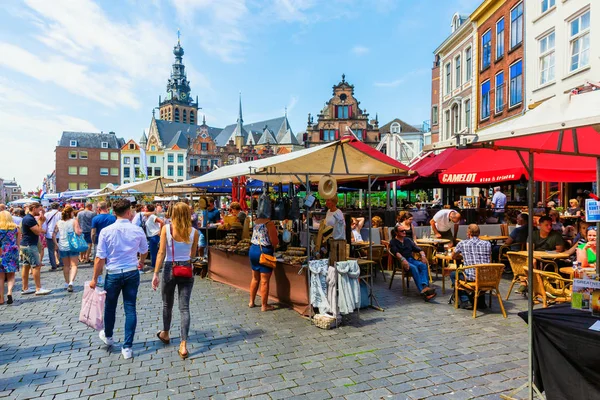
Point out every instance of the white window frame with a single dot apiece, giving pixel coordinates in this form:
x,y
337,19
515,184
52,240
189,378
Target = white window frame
x,y
489,101
104,169
72,153
72,168
104,145
522,30
498,42
467,121
456,118
549,4
498,110
446,124
549,53
448,77
483,48
395,128
73,143
114,156
457,71
579,36
468,63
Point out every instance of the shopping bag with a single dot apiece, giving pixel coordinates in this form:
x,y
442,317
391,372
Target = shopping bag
x,y
76,242
92,307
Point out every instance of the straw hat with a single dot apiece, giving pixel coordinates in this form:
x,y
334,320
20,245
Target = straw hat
x,y
328,187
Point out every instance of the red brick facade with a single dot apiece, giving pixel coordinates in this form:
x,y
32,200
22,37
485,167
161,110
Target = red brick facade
x,y
500,105
75,157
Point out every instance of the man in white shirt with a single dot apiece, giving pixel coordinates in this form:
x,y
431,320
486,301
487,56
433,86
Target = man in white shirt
x,y
118,246
499,204
442,223
52,217
153,227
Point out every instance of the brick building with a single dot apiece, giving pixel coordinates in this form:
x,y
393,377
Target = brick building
x,y
500,66
456,84
87,160
340,112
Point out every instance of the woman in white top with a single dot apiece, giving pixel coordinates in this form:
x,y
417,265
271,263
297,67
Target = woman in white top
x,y
335,219
178,242
66,226
357,225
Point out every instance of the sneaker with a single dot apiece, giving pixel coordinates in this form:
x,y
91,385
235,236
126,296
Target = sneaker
x,y
106,340
66,286
70,288
43,292
127,353
522,289
550,295
28,291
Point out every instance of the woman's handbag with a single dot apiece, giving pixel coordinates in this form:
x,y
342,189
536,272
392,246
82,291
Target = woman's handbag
x,y
267,260
76,242
180,270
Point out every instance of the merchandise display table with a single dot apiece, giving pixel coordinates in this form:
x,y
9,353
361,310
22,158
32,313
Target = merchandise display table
x,y
565,352
286,286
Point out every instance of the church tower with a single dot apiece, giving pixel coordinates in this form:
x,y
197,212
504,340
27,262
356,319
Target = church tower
x,y
178,106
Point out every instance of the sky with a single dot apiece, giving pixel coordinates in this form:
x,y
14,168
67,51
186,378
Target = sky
x,y
96,66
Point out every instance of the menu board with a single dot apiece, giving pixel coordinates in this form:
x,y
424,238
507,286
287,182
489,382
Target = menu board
x,y
586,295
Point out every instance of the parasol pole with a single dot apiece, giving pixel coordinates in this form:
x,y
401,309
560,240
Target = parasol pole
x,y
530,278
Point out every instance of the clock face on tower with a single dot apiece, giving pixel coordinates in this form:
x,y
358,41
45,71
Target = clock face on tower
x,y
183,95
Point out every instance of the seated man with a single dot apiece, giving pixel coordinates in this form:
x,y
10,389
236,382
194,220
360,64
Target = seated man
x,y
517,237
404,248
546,239
472,251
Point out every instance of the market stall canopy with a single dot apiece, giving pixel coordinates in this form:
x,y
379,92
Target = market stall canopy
x,y
568,125
22,202
156,185
346,159
102,192
77,194
486,166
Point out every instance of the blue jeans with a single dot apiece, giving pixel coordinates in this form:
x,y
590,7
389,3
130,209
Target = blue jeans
x,y
51,254
153,244
419,273
127,283
462,295
499,215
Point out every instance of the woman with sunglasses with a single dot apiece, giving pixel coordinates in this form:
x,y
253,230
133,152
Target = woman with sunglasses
x,y
586,252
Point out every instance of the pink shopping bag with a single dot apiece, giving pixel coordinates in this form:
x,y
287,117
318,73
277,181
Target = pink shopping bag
x,y
92,307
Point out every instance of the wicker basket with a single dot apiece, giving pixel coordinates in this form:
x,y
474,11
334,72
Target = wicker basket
x,y
326,322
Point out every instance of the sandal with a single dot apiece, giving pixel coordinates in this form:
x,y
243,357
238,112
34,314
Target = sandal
x,y
9,300
267,308
183,355
165,341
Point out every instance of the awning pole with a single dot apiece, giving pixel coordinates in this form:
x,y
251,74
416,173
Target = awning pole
x,y
370,242
530,277
597,223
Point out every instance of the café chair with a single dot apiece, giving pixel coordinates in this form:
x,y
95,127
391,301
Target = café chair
x,y
518,264
406,275
549,288
430,252
487,279
378,251
505,248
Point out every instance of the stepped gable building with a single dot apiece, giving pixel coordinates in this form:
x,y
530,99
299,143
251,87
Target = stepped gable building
x,y
342,111
87,160
276,133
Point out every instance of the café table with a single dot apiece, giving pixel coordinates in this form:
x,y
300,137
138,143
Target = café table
x,y
493,239
549,256
356,247
433,241
569,271
446,259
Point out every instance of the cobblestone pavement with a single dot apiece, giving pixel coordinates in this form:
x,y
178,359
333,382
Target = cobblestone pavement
x,y
412,350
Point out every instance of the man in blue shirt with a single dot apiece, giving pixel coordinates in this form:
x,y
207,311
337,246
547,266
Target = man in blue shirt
x,y
99,222
118,247
213,215
499,204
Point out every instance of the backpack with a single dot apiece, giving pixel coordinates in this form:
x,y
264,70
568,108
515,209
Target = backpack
x,y
143,224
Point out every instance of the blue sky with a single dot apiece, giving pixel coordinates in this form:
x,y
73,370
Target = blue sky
x,y
91,66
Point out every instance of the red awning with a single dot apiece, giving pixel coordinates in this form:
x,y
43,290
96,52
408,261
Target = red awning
x,y
486,166
374,153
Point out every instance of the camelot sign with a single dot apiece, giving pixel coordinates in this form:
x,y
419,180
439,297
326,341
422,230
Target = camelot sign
x,y
476,178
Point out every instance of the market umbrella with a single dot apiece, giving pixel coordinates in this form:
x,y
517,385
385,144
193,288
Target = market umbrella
x,y
242,193
235,189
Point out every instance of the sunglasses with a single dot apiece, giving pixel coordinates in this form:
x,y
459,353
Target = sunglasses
x,y
591,228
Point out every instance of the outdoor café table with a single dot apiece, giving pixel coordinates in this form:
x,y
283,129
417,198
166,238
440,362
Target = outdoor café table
x,y
571,220
569,271
546,255
446,267
565,352
433,241
493,239
356,247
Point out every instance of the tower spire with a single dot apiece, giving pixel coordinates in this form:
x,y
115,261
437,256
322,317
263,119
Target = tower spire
x,y
203,119
240,119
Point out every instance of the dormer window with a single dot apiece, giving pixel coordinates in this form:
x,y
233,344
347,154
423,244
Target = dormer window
x,y
131,146
104,145
396,128
73,143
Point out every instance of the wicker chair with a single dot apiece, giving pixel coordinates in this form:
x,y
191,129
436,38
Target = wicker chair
x,y
378,251
518,264
406,275
487,278
505,248
430,253
549,288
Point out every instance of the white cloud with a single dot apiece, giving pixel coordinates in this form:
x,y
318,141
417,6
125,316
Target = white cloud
x,y
360,50
400,81
218,26
394,83
31,137
292,10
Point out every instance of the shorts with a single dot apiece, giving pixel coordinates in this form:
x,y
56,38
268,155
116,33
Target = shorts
x,y
31,255
67,253
87,236
201,239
